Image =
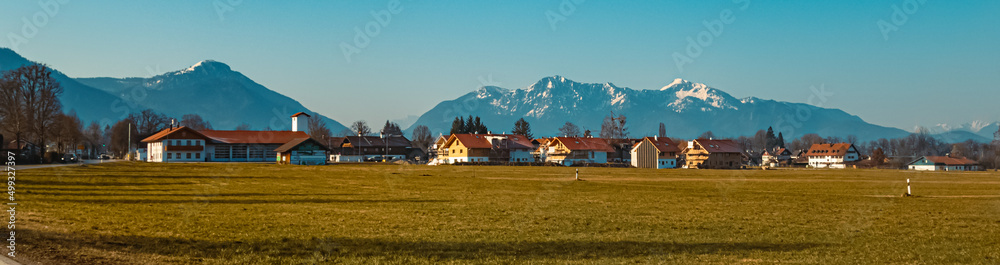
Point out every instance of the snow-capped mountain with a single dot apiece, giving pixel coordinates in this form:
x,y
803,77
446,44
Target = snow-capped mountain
x,y
980,128
224,97
687,108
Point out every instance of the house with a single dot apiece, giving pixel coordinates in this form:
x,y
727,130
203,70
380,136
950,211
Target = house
x,y
575,150
776,157
485,147
364,148
943,163
655,152
623,149
436,149
183,144
832,155
713,154
302,151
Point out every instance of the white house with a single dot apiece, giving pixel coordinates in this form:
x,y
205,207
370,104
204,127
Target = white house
x,y
183,144
943,163
832,155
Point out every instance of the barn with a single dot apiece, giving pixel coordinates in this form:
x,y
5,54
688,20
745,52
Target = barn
x,y
302,151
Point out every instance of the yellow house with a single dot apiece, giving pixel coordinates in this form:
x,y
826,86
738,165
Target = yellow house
x,y
485,147
713,154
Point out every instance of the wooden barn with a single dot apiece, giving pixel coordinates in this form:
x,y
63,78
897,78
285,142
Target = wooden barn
x,y
655,152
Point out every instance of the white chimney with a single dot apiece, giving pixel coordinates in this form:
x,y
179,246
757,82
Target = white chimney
x,y
300,124
691,145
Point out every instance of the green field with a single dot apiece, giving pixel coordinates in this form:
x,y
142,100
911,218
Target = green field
x,y
126,213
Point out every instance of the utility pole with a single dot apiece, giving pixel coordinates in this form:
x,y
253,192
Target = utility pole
x,y
128,154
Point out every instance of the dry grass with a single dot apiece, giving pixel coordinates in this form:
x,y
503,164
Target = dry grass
x,y
127,213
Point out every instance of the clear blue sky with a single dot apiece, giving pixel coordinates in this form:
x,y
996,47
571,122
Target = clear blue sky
x,y
940,66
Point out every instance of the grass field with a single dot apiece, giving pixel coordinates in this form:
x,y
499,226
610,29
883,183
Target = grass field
x,y
125,213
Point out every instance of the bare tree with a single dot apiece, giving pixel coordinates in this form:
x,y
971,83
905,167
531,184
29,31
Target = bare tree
x,y
149,122
570,130
13,113
36,95
421,137
194,121
361,128
318,129
67,132
614,127
243,127
707,135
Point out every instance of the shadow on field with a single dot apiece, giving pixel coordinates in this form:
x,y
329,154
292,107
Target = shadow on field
x,y
334,248
89,184
130,193
212,198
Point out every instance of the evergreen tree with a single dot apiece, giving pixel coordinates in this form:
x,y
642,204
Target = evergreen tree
x,y
781,140
771,139
457,126
470,125
521,127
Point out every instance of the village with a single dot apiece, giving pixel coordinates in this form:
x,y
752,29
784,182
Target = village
x,y
297,147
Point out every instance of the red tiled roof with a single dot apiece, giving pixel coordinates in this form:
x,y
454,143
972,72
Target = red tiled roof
x,y
663,144
160,135
720,146
296,142
585,144
253,137
482,141
947,160
838,149
301,113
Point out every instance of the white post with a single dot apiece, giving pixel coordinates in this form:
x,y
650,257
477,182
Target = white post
x,y
908,187
577,174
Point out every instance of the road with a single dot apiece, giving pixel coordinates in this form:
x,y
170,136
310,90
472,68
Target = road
x,y
83,162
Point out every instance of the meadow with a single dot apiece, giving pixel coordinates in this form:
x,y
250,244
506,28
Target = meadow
x,y
206,213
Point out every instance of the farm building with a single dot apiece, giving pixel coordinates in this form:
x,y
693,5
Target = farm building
x,y
713,154
943,163
438,145
776,157
832,155
484,148
364,148
183,144
302,151
655,152
575,150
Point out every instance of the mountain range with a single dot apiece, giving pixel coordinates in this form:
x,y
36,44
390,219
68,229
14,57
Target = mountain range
x,y
687,109
211,89
227,98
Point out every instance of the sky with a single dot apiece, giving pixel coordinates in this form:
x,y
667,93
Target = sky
x,y
898,63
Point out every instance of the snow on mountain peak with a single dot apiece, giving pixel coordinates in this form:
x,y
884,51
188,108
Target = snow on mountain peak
x,y
207,65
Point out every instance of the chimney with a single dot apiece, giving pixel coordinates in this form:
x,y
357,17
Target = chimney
x,y
656,138
691,145
300,124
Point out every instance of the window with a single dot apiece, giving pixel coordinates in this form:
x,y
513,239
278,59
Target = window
x,y
188,142
197,155
170,155
188,155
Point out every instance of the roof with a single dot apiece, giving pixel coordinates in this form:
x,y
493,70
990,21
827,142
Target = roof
x,y
720,146
585,144
513,141
662,144
947,160
837,149
296,142
253,137
168,131
300,114
777,152
377,141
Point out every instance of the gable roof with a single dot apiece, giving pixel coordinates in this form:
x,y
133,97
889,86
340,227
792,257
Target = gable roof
x,y
296,142
253,137
301,114
837,149
947,160
168,131
662,144
513,141
777,152
377,141
719,146
584,144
